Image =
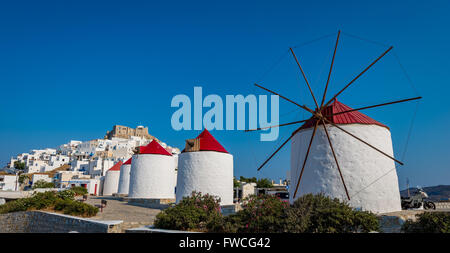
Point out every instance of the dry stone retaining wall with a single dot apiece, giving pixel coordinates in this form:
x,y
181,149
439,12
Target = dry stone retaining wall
x,y
442,205
44,222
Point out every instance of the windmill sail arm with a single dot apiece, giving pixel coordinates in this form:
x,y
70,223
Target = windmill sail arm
x,y
284,124
306,158
378,105
359,75
335,159
331,68
276,151
361,140
304,77
283,97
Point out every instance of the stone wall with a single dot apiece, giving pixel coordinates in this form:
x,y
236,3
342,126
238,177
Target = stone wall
x,y
45,222
153,230
442,205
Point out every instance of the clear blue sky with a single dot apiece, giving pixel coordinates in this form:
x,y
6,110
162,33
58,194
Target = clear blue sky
x,y
73,69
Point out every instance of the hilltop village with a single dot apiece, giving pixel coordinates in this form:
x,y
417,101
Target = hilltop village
x,y
77,163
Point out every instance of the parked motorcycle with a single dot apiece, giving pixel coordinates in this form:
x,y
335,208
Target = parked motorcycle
x,y
417,200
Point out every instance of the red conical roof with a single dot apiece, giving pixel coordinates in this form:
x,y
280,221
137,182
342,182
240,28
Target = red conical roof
x,y
128,161
153,148
209,143
116,167
353,117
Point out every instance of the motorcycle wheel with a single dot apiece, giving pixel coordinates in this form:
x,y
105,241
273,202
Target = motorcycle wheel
x,y
430,205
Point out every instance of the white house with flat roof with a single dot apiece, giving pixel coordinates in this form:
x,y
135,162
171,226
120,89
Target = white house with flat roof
x,y
8,183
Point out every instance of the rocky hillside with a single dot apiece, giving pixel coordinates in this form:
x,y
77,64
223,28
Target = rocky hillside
x,y
436,193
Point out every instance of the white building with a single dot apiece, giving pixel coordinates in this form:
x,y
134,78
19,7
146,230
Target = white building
x,y
40,177
68,148
370,176
9,183
205,166
92,185
40,160
79,165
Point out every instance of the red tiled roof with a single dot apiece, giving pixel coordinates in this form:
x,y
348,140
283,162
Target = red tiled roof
x,y
153,148
128,161
354,117
116,166
209,143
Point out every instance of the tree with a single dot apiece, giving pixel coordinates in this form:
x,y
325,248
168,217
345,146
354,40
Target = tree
x,y
19,165
260,183
236,183
248,180
43,184
22,178
264,183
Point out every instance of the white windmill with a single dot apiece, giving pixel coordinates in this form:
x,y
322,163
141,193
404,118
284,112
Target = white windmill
x,y
341,152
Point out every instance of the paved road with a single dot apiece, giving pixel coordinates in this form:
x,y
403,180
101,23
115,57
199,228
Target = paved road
x,y
120,210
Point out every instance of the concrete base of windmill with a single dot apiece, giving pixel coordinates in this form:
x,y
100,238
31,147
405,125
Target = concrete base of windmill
x,y
151,203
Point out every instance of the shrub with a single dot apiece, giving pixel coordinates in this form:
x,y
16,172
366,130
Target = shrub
x,y
22,178
79,190
75,208
19,166
43,184
321,214
264,183
267,214
236,183
61,201
428,222
263,213
260,183
42,200
194,213
66,194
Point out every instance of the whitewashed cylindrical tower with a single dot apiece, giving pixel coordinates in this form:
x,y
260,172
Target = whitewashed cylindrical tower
x,y
111,183
370,176
152,174
124,179
205,166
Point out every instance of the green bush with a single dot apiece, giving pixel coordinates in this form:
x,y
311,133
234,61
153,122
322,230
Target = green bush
x,y
75,208
267,214
43,200
321,214
43,184
263,213
428,222
260,183
79,190
19,166
264,183
194,213
58,201
21,179
66,194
